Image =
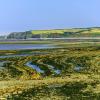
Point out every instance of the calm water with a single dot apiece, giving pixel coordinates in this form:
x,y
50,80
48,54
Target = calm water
x,y
34,67
37,68
25,46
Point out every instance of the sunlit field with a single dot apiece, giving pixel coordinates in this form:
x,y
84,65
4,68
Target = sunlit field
x,y
71,72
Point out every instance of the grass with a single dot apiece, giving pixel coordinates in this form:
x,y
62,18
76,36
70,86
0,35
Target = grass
x,y
70,84
74,87
60,31
47,31
74,32
26,42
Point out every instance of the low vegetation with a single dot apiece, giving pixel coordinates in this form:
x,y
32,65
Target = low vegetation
x,y
78,77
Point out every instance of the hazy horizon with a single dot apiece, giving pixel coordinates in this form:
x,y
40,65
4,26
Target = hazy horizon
x,y
24,15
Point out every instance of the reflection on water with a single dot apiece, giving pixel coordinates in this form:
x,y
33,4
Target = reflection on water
x,y
78,68
57,71
29,64
2,64
25,46
37,68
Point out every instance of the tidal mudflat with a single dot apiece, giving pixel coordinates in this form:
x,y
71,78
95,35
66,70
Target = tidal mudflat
x,y
70,72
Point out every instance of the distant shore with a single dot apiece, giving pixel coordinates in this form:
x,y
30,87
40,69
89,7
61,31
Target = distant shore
x,y
49,40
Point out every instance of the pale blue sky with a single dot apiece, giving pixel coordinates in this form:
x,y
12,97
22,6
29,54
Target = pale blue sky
x,y
22,15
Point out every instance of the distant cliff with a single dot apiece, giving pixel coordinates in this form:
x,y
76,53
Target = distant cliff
x,y
20,35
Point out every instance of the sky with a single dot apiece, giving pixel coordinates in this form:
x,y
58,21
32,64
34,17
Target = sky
x,y
24,15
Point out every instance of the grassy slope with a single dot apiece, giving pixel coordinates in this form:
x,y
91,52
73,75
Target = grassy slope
x,y
79,31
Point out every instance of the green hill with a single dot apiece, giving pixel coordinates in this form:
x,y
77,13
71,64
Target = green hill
x,y
56,33
71,32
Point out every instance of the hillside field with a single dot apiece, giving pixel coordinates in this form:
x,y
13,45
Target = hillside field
x,y
56,33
